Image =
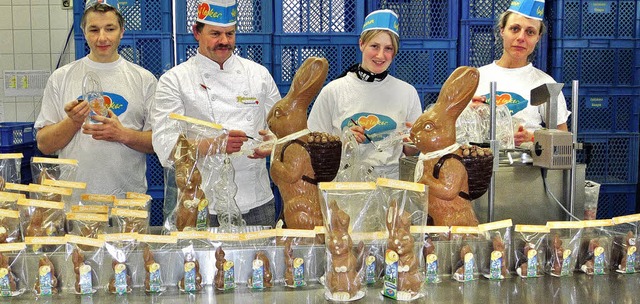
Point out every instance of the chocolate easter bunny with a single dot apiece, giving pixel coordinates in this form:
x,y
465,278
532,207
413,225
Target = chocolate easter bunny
x,y
291,166
557,256
434,134
266,275
78,263
629,250
498,246
288,262
588,266
192,264
152,269
119,267
188,180
35,226
44,174
401,241
220,261
460,265
5,266
342,278
45,267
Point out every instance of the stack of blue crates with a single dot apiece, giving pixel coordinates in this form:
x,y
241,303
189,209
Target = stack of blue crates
x,y
428,43
19,137
597,43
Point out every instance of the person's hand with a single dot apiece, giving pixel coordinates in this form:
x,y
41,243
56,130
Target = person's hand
x,y
109,128
358,132
235,139
408,125
263,150
77,111
522,135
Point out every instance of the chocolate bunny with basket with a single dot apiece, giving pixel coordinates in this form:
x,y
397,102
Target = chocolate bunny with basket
x,y
296,151
434,133
401,241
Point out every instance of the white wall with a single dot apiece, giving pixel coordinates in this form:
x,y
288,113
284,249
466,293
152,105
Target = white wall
x,y
32,36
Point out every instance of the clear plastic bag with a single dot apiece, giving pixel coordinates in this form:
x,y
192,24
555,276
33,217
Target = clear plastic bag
x,y
224,202
624,252
191,252
9,226
299,256
469,127
406,208
88,225
529,243
119,248
41,219
9,200
434,252
157,260
131,215
467,251
13,273
504,124
196,159
94,203
563,244
352,213
46,275
92,93
85,262
494,265
595,247
352,165
10,168
262,269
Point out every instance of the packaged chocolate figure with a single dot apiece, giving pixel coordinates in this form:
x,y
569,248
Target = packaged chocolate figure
x,y
529,243
494,266
192,279
225,275
12,273
434,269
261,272
624,256
47,281
402,260
86,263
342,279
595,247
563,245
464,253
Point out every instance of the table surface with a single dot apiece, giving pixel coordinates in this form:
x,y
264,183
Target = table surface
x,y
579,288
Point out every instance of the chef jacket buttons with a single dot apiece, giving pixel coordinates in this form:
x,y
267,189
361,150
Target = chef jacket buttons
x,y
213,98
249,118
245,93
238,72
206,76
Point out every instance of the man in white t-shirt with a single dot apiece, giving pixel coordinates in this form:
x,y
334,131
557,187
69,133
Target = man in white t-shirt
x,y
110,150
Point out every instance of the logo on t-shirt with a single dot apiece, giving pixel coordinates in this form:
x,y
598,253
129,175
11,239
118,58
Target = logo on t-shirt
x,y
115,103
514,102
375,125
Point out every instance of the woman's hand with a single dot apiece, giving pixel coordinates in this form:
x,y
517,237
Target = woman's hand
x,y
522,135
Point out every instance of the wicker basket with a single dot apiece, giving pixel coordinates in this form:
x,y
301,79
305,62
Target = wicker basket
x,y
325,159
479,172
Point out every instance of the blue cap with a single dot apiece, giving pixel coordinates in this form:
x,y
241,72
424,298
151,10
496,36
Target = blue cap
x,y
533,9
218,12
113,3
382,20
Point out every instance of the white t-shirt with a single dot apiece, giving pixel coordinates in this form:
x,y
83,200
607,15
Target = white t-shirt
x,y
514,89
107,167
376,106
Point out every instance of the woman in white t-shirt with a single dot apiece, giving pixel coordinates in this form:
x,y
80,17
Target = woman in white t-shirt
x,y
520,28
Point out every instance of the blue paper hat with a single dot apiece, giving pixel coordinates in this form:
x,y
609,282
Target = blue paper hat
x,y
382,20
533,9
113,3
218,12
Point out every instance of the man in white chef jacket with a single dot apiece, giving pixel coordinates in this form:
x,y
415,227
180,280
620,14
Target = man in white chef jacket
x,y
217,86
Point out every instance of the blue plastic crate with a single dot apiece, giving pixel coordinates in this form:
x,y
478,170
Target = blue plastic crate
x,y
616,200
254,16
23,173
319,17
155,174
255,47
152,52
430,19
13,134
425,64
428,96
140,16
610,158
580,19
479,46
156,217
483,9
291,51
606,110
605,62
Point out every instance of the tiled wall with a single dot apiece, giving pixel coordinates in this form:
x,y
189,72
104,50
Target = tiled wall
x,y
32,36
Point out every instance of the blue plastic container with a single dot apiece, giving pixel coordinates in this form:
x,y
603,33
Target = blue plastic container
x,y
583,19
606,110
319,17
616,200
604,62
430,19
140,16
15,134
425,64
610,158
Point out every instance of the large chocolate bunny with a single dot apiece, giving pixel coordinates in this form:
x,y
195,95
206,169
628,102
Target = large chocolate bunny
x,y
291,166
188,181
435,130
401,241
342,278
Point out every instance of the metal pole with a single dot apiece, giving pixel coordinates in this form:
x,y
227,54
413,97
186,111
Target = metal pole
x,y
494,145
574,129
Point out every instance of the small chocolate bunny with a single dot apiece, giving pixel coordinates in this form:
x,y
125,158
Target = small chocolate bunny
x,y
629,254
192,280
557,253
262,260
121,282
342,278
46,277
288,262
291,165
78,263
220,261
5,271
434,133
152,281
401,241
188,180
499,247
